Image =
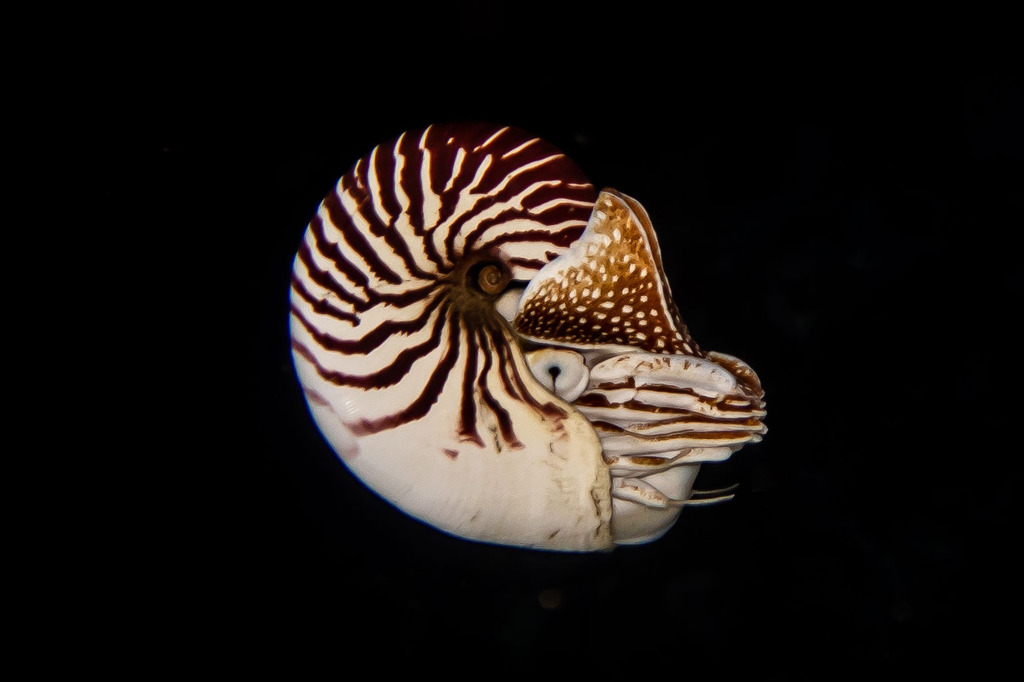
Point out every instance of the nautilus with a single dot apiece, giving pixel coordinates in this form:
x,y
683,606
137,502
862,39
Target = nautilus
x,y
492,346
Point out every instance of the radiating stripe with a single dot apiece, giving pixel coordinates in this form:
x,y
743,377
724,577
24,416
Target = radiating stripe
x,y
500,413
388,376
382,227
383,187
321,306
560,237
421,405
467,407
310,271
396,225
374,337
353,235
332,251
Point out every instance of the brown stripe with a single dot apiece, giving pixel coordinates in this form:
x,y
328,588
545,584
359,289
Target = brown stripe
x,y
373,338
467,410
730,403
596,400
321,305
383,378
527,263
325,281
548,408
693,418
690,435
409,180
501,169
384,170
560,239
427,397
385,230
331,251
353,236
499,412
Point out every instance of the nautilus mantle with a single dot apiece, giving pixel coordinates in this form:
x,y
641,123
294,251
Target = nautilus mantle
x,y
492,346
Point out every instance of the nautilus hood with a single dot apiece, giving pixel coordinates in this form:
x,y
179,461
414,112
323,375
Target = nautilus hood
x,y
492,346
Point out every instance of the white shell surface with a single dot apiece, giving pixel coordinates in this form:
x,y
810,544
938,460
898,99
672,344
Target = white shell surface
x,y
550,491
494,350
411,373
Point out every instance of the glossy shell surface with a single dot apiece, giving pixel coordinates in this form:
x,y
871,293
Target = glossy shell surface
x,y
492,346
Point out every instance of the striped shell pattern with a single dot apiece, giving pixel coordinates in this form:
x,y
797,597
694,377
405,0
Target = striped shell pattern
x,y
492,346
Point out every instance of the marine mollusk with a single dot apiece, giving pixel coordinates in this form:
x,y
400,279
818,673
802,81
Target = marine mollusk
x,y
493,347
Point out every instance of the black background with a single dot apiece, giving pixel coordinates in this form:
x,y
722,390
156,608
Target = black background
x,y
849,231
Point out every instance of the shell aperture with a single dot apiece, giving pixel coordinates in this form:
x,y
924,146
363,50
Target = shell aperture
x,y
659,404
438,337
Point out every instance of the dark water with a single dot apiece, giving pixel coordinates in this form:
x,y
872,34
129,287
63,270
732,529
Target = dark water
x,y
849,234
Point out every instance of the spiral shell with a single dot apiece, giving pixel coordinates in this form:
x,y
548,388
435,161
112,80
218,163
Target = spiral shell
x,y
493,348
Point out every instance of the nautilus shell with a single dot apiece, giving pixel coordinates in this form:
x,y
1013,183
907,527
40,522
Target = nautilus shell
x,y
492,346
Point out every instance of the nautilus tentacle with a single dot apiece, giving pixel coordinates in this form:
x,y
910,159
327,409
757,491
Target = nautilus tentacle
x,y
495,350
659,404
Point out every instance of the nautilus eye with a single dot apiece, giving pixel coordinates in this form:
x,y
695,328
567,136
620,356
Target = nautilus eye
x,y
492,346
563,372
